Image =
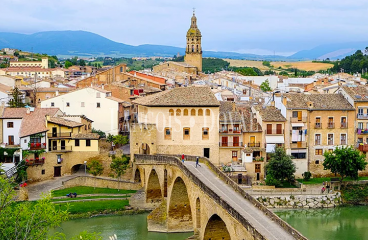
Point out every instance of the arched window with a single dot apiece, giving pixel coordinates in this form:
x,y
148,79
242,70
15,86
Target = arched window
x,y
178,112
208,112
200,112
171,112
197,48
192,112
185,112
192,48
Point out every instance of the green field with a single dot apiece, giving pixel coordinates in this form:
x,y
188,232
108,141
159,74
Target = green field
x,y
89,197
94,206
321,180
89,190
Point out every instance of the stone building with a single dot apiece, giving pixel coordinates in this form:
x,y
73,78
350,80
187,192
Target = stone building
x,y
177,121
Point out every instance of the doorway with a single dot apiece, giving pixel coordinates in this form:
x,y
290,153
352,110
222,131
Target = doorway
x,y
206,152
54,145
57,171
54,132
62,145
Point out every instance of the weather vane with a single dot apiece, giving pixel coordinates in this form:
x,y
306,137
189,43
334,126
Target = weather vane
x,y
193,11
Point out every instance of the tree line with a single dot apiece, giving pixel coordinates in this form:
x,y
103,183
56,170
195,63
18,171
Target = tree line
x,y
355,63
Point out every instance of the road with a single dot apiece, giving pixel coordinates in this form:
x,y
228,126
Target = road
x,y
256,217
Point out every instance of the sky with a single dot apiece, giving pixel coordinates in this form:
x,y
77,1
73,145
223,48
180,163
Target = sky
x,y
279,27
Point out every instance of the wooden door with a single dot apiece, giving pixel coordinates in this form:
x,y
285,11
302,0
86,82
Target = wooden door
x,y
252,141
278,128
54,145
269,128
234,155
236,141
11,140
224,142
299,116
57,171
54,132
257,168
62,144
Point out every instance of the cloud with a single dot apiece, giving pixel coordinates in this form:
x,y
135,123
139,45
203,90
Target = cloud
x,y
263,25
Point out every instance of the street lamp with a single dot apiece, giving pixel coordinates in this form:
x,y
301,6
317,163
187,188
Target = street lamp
x,y
85,167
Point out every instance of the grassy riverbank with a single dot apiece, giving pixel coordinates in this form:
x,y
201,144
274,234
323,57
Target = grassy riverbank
x,y
89,190
321,180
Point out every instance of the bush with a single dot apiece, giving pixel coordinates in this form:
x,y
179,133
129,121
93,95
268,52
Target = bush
x,y
307,176
271,181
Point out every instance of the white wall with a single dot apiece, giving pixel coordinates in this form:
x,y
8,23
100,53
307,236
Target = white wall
x,y
8,81
104,118
11,131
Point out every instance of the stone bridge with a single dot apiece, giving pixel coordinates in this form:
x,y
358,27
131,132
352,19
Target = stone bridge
x,y
203,200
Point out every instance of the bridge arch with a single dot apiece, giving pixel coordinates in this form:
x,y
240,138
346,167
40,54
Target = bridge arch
x,y
216,229
137,176
153,193
179,209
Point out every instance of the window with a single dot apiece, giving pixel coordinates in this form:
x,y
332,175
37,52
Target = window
x,y
98,105
98,95
192,112
68,104
167,133
295,114
234,154
298,155
10,124
317,139
316,162
208,112
88,143
43,171
343,139
178,112
171,112
186,133
360,125
52,104
186,113
76,142
318,152
82,104
205,133
330,139
200,112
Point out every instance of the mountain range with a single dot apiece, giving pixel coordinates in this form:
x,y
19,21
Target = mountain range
x,y
82,43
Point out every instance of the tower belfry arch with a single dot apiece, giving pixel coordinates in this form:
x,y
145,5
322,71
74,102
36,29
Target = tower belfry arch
x,y
193,53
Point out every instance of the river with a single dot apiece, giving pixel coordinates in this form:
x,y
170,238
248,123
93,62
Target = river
x,y
127,227
343,223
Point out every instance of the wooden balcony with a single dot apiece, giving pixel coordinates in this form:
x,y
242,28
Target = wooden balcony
x,y
298,119
331,125
257,145
231,144
298,145
60,135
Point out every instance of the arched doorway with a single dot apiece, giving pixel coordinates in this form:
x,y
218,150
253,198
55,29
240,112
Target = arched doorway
x,y
180,213
216,229
153,188
137,176
78,168
145,149
198,213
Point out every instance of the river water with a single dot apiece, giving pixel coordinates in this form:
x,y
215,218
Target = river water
x,y
343,223
127,227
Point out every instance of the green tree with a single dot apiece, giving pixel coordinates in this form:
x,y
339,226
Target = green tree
x,y
265,86
246,71
345,161
68,64
119,166
16,54
21,172
280,166
266,63
99,132
82,62
17,99
120,139
95,168
26,220
110,138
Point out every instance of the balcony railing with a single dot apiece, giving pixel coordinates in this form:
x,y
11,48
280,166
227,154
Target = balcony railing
x,y
61,148
298,145
362,131
37,146
331,125
362,147
343,142
316,142
330,142
318,125
33,162
230,131
362,116
298,119
274,131
344,125
230,144
59,135
254,144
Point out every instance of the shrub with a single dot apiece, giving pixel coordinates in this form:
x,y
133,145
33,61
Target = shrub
x,y
307,176
271,181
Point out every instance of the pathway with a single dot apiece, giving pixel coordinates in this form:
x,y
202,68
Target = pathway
x,y
269,229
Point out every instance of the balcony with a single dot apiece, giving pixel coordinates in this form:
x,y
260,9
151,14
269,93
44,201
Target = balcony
x,y
331,125
344,125
298,119
37,146
35,162
318,125
231,144
60,135
298,145
362,131
317,142
274,131
257,145
330,142
363,147
230,131
61,149
362,116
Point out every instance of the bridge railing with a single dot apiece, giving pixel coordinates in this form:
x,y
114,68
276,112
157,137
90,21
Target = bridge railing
x,y
175,160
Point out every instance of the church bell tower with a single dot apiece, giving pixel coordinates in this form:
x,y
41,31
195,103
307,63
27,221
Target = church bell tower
x,y
193,52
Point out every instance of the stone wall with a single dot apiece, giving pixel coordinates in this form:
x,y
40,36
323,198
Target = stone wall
x,y
301,201
101,183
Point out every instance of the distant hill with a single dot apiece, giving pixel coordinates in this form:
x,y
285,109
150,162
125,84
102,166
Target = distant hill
x,y
82,43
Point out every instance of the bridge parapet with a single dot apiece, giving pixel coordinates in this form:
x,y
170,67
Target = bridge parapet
x,y
175,160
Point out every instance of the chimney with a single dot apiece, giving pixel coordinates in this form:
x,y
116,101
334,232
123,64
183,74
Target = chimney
x,y
273,103
28,111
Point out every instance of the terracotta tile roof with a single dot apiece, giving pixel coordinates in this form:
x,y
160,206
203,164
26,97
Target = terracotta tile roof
x,y
35,122
14,113
320,101
359,93
99,89
115,99
270,114
65,122
250,123
54,89
183,96
228,112
86,136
